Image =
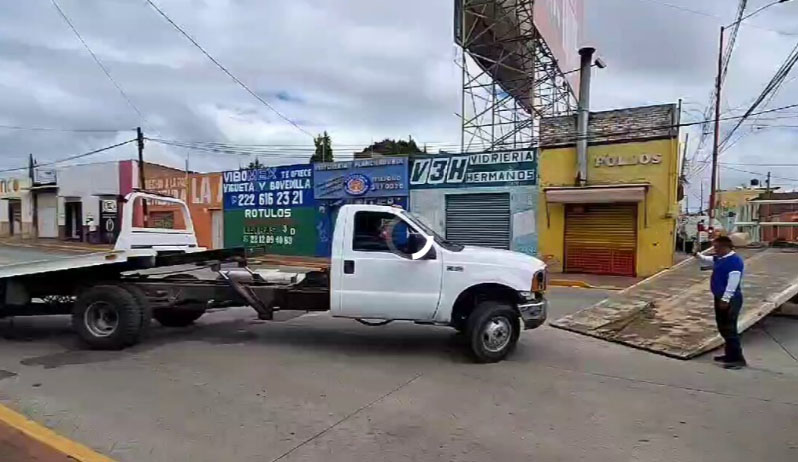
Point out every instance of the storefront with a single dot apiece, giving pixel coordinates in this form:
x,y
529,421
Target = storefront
x,y
84,200
623,221
271,210
380,181
16,207
485,199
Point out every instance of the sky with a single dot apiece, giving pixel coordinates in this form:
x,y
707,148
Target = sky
x,y
362,70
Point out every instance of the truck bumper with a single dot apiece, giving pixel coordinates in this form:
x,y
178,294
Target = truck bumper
x,y
533,310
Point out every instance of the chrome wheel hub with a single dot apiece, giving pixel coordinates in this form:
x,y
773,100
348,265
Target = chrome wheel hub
x,y
496,334
101,319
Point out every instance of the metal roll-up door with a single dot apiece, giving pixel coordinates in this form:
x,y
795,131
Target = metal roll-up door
x,y
478,219
601,239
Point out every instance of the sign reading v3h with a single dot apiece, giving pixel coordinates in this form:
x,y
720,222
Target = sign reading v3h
x,y
483,169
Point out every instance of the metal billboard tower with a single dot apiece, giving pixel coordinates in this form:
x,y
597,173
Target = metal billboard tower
x,y
510,76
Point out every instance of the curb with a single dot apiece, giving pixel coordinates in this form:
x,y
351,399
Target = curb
x,y
73,248
579,284
51,439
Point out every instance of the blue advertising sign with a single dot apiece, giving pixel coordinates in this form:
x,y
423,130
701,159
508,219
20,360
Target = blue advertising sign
x,y
360,178
513,168
273,187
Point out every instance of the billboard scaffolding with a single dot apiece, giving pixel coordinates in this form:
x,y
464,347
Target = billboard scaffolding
x,y
511,77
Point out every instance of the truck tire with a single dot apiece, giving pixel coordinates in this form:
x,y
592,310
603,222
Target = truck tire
x,y
492,329
107,317
144,303
171,317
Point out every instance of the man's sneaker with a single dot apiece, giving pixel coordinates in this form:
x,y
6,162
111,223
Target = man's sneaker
x,y
735,365
720,359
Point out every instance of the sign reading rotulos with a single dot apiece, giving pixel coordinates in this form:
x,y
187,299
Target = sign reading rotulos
x,y
513,168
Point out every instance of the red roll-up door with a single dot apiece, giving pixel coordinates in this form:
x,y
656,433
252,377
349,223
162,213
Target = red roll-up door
x,y
601,239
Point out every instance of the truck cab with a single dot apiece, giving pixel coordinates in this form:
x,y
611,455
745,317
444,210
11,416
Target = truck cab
x,y
387,264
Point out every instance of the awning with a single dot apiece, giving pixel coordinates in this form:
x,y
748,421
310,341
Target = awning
x,y
596,194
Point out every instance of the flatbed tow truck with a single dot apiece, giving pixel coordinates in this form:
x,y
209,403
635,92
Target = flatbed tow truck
x,y
386,265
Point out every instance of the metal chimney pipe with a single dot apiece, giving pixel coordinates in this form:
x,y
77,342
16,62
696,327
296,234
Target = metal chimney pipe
x,y
583,112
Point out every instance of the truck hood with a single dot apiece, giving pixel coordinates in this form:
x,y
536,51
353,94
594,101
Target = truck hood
x,y
495,257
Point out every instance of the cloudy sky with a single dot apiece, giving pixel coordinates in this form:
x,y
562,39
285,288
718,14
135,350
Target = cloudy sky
x,y
361,69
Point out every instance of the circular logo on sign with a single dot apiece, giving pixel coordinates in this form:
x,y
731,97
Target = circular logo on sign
x,y
357,184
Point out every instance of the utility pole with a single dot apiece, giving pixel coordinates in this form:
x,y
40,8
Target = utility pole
x,y
701,204
767,186
716,142
140,144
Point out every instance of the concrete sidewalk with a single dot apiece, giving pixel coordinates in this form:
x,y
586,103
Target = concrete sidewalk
x,y
15,446
23,440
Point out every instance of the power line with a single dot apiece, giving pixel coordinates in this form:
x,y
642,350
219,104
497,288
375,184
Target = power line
x,y
255,149
66,159
712,15
96,59
757,173
224,69
71,130
772,86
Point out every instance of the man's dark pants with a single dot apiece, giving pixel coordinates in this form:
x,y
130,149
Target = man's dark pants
x,y
727,326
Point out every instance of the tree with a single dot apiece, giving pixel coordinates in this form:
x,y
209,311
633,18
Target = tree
x,y
324,152
255,164
389,147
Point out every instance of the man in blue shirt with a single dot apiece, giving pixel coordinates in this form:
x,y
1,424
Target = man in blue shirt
x,y
727,276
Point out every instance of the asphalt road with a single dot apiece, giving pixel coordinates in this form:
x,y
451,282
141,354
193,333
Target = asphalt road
x,y
313,388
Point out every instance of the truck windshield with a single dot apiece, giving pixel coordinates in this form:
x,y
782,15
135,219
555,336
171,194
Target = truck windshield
x,y
421,223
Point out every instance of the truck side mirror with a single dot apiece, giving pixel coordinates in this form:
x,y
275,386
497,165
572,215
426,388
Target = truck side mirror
x,y
421,247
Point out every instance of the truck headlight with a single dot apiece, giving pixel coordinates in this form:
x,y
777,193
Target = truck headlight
x,y
539,281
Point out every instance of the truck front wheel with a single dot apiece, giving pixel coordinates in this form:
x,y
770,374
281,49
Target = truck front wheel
x,y
107,317
493,329
171,317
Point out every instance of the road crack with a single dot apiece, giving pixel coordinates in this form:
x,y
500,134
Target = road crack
x,y
347,417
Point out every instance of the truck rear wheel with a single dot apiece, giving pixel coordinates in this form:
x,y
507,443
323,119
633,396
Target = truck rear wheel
x,y
493,330
107,317
171,317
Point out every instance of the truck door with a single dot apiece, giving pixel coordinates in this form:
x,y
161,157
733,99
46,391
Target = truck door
x,y
379,279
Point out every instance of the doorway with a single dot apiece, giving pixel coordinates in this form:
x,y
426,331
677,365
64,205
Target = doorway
x,y
15,216
74,220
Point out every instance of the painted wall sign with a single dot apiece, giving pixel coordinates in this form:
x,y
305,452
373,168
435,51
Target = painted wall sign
x,y
271,209
361,178
474,170
13,188
43,176
620,161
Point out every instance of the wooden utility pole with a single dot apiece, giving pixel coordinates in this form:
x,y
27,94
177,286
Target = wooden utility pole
x,y
716,142
142,184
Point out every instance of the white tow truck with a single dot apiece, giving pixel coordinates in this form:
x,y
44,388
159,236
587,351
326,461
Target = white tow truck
x,y
386,265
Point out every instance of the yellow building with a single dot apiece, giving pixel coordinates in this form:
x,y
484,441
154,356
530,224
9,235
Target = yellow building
x,y
623,220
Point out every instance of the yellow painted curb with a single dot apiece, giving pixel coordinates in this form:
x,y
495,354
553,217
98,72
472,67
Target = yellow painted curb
x,y
579,284
50,438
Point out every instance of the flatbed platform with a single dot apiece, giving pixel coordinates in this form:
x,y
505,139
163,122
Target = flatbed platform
x,y
671,313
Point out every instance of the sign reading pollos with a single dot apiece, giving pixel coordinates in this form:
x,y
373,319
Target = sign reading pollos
x,y
473,170
357,184
620,161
